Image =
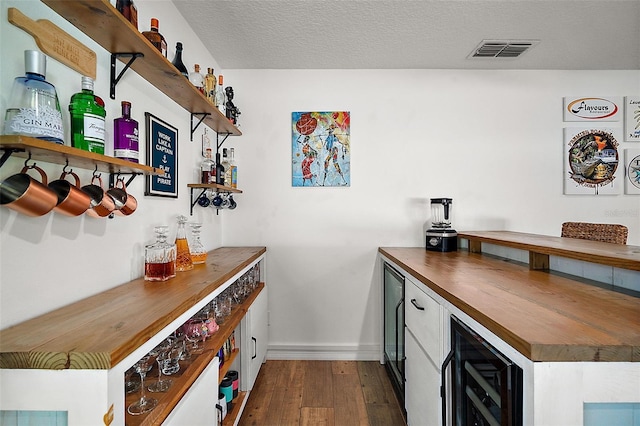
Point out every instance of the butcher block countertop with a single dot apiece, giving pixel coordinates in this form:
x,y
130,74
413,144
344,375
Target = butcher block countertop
x,y
545,316
100,331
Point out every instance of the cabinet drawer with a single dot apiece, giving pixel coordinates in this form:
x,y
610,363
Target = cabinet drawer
x,y
422,317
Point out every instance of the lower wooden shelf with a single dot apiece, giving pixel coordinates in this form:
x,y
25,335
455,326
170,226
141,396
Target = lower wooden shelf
x,y
236,409
189,370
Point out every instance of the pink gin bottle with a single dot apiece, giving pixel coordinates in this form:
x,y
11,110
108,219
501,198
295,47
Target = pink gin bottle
x,y
125,135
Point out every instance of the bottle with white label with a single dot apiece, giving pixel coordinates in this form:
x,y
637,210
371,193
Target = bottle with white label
x,y
33,108
87,119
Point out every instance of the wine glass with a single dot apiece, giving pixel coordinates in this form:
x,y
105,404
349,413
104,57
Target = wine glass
x,y
196,331
131,385
144,404
162,354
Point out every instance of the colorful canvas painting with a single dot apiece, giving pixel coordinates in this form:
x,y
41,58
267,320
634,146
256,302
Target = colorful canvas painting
x,y
632,171
320,149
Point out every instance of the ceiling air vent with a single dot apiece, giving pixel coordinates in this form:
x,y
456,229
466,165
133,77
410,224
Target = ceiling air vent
x,y
502,49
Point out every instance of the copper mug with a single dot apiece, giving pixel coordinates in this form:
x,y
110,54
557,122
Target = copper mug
x,y
101,204
125,203
72,201
26,195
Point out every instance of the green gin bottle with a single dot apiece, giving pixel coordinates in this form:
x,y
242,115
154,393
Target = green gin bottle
x,y
87,119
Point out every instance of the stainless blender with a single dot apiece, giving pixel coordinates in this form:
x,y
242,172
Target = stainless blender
x,y
441,236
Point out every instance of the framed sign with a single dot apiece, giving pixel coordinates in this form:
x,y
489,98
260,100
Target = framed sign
x,y
162,152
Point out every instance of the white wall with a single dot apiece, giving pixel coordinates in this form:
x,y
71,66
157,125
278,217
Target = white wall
x,y
53,260
492,140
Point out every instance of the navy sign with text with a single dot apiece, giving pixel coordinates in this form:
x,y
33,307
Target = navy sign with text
x,y
162,153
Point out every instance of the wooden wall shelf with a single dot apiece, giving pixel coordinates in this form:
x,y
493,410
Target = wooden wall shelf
x,y
219,188
41,150
99,20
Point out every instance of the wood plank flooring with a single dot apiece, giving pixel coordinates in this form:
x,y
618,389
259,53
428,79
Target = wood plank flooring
x,y
331,393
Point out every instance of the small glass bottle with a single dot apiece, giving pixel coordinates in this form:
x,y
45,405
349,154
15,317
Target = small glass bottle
x,y
234,169
33,108
219,170
210,86
160,257
207,168
197,79
227,167
125,135
220,94
198,253
183,255
177,61
128,10
87,119
156,39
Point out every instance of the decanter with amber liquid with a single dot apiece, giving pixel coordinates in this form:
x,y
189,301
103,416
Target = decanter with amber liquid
x,y
183,255
198,253
160,257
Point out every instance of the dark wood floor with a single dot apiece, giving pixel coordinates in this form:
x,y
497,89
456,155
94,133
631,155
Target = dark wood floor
x,y
332,393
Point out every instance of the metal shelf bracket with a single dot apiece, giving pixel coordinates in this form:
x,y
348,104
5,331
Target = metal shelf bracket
x,y
7,153
113,79
202,115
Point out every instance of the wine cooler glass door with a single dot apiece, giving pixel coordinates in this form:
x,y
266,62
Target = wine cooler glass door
x,y
394,327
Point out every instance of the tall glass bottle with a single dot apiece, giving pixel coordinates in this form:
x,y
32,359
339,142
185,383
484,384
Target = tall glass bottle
x,y
227,167
160,257
220,94
183,255
125,135
155,37
197,79
177,61
87,119
33,108
210,84
234,169
207,168
128,10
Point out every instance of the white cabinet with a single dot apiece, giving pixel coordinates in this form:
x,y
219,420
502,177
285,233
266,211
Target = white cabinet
x,y
196,407
423,349
422,387
255,339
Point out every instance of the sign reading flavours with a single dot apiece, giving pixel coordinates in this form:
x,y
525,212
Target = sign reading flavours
x,y
592,109
162,153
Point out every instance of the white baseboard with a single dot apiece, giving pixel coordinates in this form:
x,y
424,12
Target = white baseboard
x,y
324,352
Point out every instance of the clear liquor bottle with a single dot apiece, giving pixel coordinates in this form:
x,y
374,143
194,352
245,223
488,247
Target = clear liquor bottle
x,y
207,168
197,250
234,168
33,107
197,79
177,61
220,98
87,119
227,167
125,135
156,39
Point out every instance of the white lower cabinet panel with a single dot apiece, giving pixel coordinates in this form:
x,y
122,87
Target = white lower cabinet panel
x,y
198,406
422,387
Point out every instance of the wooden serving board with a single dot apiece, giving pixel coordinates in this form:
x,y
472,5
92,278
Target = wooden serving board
x,y
56,43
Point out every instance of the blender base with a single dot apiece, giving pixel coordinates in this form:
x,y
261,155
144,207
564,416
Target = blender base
x,y
442,240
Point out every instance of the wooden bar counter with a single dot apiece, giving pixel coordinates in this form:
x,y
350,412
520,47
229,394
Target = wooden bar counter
x,y
543,315
100,331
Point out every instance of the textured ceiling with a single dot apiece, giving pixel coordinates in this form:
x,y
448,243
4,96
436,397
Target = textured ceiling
x,y
426,34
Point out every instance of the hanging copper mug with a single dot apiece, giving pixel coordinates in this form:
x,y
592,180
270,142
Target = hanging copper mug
x,y
126,203
26,195
101,203
72,201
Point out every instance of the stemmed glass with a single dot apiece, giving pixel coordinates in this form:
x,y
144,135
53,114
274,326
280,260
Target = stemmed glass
x,y
196,331
144,404
162,352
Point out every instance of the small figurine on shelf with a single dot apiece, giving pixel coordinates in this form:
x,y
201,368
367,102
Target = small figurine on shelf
x,y
232,111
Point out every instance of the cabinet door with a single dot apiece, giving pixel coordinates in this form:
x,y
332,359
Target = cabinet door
x,y
198,405
423,319
257,336
422,386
